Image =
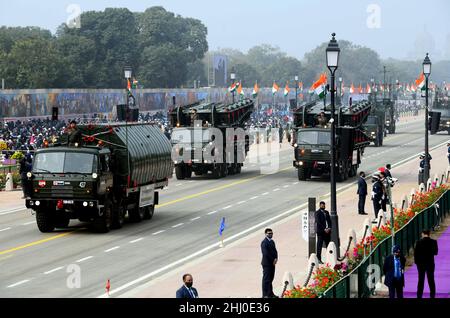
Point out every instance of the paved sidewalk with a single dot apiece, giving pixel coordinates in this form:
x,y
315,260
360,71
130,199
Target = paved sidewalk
x,y
235,270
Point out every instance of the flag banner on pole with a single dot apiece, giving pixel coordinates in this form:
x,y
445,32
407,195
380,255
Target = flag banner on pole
x,y
128,84
286,90
222,226
275,88
368,89
300,85
413,88
420,81
408,88
360,89
352,89
319,86
240,90
255,90
232,88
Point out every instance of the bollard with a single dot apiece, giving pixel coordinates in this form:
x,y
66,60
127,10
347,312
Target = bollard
x,y
405,203
288,282
313,265
381,221
447,174
9,186
331,255
422,188
436,179
413,194
367,230
428,184
352,233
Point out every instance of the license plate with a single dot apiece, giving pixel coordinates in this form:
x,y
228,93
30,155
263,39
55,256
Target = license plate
x,y
68,201
58,183
321,162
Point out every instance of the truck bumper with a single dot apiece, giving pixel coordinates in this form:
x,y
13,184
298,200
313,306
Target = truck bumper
x,y
61,204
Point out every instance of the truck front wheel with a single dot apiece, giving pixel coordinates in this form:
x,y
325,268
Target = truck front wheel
x,y
118,217
45,221
137,214
301,174
179,172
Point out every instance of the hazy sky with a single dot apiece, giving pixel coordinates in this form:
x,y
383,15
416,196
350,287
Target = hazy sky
x,y
296,26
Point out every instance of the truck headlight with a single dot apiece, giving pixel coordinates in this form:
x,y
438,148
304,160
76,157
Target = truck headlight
x,y
300,163
94,175
37,203
85,204
29,174
448,123
372,133
295,145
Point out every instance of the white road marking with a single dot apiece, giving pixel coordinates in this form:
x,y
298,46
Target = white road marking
x,y
136,240
277,189
253,198
28,223
265,193
286,186
53,270
210,213
159,232
6,229
194,219
19,283
12,211
295,183
178,225
84,259
241,202
112,249
227,207
177,185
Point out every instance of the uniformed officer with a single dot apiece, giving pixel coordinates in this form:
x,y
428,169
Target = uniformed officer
x,y
377,194
73,133
322,120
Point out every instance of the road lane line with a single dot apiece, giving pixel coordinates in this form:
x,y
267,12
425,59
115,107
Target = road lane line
x,y
19,283
6,229
265,193
84,259
53,270
277,189
136,240
178,225
112,249
295,183
286,186
253,198
241,202
35,243
213,212
227,207
194,219
28,223
159,232
13,211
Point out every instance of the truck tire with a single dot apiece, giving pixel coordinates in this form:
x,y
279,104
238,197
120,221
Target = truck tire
x,y
232,169
216,172
137,214
188,172
118,216
102,223
62,221
238,168
179,172
45,221
198,173
301,174
224,170
149,211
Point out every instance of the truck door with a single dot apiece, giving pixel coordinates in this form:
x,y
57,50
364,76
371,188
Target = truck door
x,y
106,177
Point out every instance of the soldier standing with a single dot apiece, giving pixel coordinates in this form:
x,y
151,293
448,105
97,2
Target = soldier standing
x,y
73,133
377,194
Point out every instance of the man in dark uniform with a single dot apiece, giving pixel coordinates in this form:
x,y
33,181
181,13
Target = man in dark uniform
x,y
73,134
25,167
394,272
425,250
448,152
362,193
268,262
384,199
387,170
322,120
323,229
377,194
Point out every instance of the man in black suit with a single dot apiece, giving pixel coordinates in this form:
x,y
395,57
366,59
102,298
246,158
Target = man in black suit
x,y
387,170
362,193
323,229
394,272
425,250
187,291
269,260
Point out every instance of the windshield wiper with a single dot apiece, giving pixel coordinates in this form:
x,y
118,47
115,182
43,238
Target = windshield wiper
x,y
303,142
70,172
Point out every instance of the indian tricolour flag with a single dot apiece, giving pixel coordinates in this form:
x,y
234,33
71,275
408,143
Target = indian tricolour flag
x,y
368,89
420,81
286,90
408,88
275,88
352,89
240,90
255,90
232,88
413,88
319,86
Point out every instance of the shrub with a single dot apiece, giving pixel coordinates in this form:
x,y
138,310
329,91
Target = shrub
x,y
18,155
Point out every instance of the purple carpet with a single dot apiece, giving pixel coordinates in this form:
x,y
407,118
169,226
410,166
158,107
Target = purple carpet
x,y
441,274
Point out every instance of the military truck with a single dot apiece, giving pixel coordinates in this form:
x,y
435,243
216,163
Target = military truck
x,y
312,139
112,172
374,130
202,140
389,115
439,116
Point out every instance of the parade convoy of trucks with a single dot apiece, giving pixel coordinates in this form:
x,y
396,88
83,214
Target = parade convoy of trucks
x,y
439,116
202,141
312,139
112,171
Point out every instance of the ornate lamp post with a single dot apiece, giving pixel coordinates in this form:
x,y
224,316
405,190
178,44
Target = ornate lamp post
x,y
332,53
426,71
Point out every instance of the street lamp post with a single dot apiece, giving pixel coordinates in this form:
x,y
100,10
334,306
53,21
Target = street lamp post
x,y
332,54
340,91
373,92
426,72
296,92
233,78
128,72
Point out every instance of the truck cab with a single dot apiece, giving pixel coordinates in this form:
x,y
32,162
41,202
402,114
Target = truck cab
x,y
374,128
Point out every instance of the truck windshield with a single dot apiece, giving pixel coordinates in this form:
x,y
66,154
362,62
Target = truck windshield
x,y
314,138
65,162
371,120
182,135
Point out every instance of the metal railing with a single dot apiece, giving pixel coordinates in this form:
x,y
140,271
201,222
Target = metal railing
x,y
360,283
9,169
